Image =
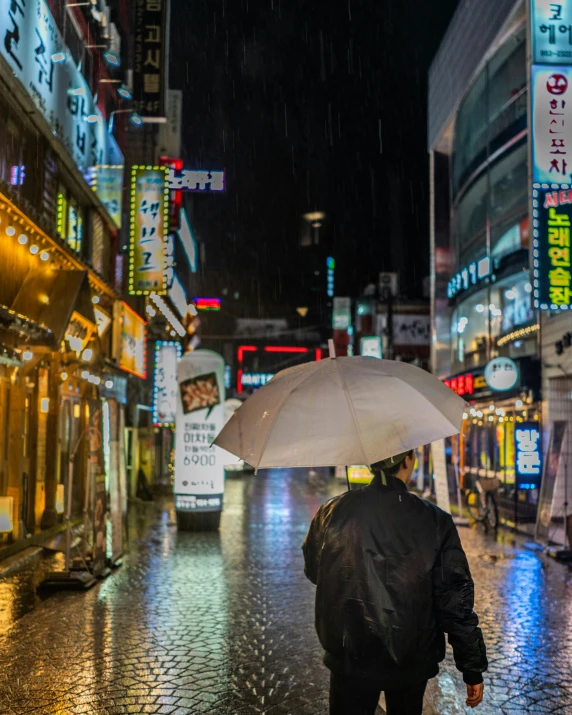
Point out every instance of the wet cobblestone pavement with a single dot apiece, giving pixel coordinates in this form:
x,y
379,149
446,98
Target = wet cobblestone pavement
x,y
223,623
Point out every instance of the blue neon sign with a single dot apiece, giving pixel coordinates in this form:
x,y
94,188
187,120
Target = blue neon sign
x,y
528,455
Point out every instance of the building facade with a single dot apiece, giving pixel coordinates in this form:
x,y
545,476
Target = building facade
x,y
482,303
65,103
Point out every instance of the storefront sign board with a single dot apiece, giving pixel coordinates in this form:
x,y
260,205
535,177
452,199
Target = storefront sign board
x,y
165,386
149,228
199,466
528,455
552,265
440,475
551,31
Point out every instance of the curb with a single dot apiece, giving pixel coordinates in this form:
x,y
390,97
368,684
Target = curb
x,y
17,561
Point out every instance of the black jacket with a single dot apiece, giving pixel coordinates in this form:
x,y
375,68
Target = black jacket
x,y
392,578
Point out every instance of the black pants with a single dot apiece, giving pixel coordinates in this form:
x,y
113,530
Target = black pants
x,y
355,696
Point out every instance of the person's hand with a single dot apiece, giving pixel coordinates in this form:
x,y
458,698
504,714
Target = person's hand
x,y
475,695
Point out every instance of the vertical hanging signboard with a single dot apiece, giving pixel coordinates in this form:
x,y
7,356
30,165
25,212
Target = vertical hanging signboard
x,y
149,228
199,466
550,27
149,54
440,475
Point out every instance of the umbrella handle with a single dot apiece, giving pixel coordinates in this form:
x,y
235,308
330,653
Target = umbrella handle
x,y
331,349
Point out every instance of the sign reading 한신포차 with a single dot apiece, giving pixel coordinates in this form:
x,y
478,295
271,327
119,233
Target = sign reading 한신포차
x,y
199,465
552,124
551,242
148,231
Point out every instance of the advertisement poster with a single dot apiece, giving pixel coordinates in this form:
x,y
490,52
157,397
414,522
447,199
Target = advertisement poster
x,y
130,340
440,475
546,499
551,242
149,219
150,57
97,477
35,52
165,386
199,466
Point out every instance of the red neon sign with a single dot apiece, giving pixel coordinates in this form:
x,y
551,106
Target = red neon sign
x,y
269,349
462,384
207,303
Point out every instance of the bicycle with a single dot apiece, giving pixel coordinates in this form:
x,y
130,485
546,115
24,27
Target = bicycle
x,y
481,502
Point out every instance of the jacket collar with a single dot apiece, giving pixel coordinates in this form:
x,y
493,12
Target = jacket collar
x,y
392,483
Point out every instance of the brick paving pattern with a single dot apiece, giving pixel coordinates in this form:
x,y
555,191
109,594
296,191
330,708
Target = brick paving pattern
x,y
223,623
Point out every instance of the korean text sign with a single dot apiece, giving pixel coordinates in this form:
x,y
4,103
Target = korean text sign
x,y
552,124
551,30
148,231
108,185
149,57
29,40
131,341
199,465
167,355
551,246
528,458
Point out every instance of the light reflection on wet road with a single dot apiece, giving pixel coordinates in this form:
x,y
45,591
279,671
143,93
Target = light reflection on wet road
x,y
223,623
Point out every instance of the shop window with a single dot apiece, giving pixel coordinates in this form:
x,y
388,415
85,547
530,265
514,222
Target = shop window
x,y
69,220
469,331
511,299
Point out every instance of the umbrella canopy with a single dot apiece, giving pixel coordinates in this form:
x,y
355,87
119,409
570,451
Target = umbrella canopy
x,y
339,412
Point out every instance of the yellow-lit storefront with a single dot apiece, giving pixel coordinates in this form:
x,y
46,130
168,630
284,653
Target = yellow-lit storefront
x,y
486,447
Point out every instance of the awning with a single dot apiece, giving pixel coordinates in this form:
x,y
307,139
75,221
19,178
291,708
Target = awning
x,y
19,324
50,299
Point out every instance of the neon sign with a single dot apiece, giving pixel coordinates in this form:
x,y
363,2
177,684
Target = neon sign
x,y
191,180
528,457
242,377
207,303
471,275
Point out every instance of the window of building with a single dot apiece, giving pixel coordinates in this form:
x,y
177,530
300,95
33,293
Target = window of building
x,y
469,223
509,197
469,331
100,246
512,301
471,129
69,219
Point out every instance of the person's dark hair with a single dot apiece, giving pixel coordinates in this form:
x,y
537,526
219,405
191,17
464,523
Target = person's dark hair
x,y
392,469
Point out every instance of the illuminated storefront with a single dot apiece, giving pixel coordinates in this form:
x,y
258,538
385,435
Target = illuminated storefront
x,y
484,290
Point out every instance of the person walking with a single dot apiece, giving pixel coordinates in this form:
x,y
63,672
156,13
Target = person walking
x,y
392,578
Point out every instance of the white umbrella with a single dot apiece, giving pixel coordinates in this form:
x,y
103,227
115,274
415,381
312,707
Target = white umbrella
x,y
341,411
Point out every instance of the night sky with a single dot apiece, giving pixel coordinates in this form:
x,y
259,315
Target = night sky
x,y
308,106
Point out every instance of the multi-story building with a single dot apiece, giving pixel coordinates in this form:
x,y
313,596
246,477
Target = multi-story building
x,y
482,292
64,105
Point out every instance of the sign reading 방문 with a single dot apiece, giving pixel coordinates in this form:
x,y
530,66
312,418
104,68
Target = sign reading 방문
x,y
551,245
148,231
528,459
551,30
199,465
